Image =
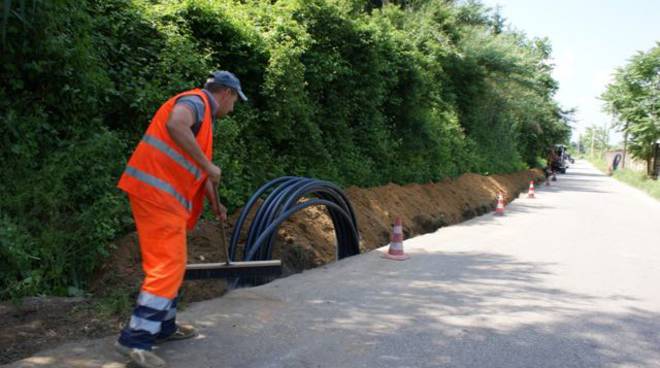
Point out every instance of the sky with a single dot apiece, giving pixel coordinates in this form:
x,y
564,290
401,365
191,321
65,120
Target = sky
x,y
590,39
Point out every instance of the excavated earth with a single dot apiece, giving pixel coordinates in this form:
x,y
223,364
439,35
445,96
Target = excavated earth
x,y
305,241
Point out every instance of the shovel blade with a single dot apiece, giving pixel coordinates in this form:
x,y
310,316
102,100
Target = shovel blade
x,y
204,271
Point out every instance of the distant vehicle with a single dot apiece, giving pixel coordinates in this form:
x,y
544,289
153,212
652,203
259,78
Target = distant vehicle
x,y
562,158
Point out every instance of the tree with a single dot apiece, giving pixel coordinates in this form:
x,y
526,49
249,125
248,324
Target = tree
x,y
634,99
595,139
356,92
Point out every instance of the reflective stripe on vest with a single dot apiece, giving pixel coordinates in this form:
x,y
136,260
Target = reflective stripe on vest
x,y
174,155
158,183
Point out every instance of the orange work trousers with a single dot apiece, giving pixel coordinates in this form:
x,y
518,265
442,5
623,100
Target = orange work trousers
x,y
162,237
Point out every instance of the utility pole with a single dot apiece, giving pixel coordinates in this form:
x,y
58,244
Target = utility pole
x,y
606,138
625,145
579,144
593,134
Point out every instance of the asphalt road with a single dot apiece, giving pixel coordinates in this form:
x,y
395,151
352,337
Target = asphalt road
x,y
569,279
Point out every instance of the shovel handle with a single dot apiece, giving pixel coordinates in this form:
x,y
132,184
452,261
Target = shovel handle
x,y
215,198
215,202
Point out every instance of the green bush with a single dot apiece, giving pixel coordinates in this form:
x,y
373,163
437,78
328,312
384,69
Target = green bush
x,y
64,216
343,90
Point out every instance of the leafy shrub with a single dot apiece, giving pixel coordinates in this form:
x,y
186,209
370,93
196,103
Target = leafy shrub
x,y
63,217
349,91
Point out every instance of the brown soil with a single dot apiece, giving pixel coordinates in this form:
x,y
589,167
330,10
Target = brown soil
x,y
305,241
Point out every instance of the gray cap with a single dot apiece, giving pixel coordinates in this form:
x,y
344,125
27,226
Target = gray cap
x,y
228,79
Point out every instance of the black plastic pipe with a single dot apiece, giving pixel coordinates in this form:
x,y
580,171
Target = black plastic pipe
x,y
284,200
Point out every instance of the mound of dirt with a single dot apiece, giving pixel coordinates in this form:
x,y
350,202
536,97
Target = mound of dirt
x,y
307,240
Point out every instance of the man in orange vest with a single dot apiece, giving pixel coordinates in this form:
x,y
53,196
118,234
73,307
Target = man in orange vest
x,y
550,163
166,180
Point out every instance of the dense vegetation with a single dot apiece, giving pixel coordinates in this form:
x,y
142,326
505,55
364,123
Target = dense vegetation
x,y
352,91
634,99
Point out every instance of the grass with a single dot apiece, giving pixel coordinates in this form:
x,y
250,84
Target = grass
x,y
636,179
117,303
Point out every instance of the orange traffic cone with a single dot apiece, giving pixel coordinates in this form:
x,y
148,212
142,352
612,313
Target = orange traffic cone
x,y
499,210
396,245
530,193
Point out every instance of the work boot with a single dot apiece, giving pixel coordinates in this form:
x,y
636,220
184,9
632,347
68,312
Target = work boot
x,y
140,357
182,332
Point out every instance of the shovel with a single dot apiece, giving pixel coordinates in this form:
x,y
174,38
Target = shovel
x,y
203,271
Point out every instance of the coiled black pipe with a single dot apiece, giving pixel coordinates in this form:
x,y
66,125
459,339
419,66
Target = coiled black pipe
x,y
281,203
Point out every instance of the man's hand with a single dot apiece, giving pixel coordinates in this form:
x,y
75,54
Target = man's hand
x,y
220,212
214,174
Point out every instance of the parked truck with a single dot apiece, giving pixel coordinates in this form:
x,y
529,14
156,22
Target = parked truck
x,y
561,159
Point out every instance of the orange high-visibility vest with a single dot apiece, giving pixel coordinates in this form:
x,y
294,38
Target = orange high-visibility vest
x,y
162,173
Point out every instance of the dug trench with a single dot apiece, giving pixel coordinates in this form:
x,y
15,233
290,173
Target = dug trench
x,y
305,241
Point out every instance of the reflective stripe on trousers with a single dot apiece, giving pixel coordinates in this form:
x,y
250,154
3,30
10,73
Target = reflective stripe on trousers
x,y
153,317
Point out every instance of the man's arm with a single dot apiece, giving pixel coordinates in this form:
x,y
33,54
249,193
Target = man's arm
x,y
178,125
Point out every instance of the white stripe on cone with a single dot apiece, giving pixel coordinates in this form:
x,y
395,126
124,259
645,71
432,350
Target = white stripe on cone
x,y
395,252
499,210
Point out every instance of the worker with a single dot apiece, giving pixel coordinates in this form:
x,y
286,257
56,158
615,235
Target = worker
x,y
550,164
166,179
